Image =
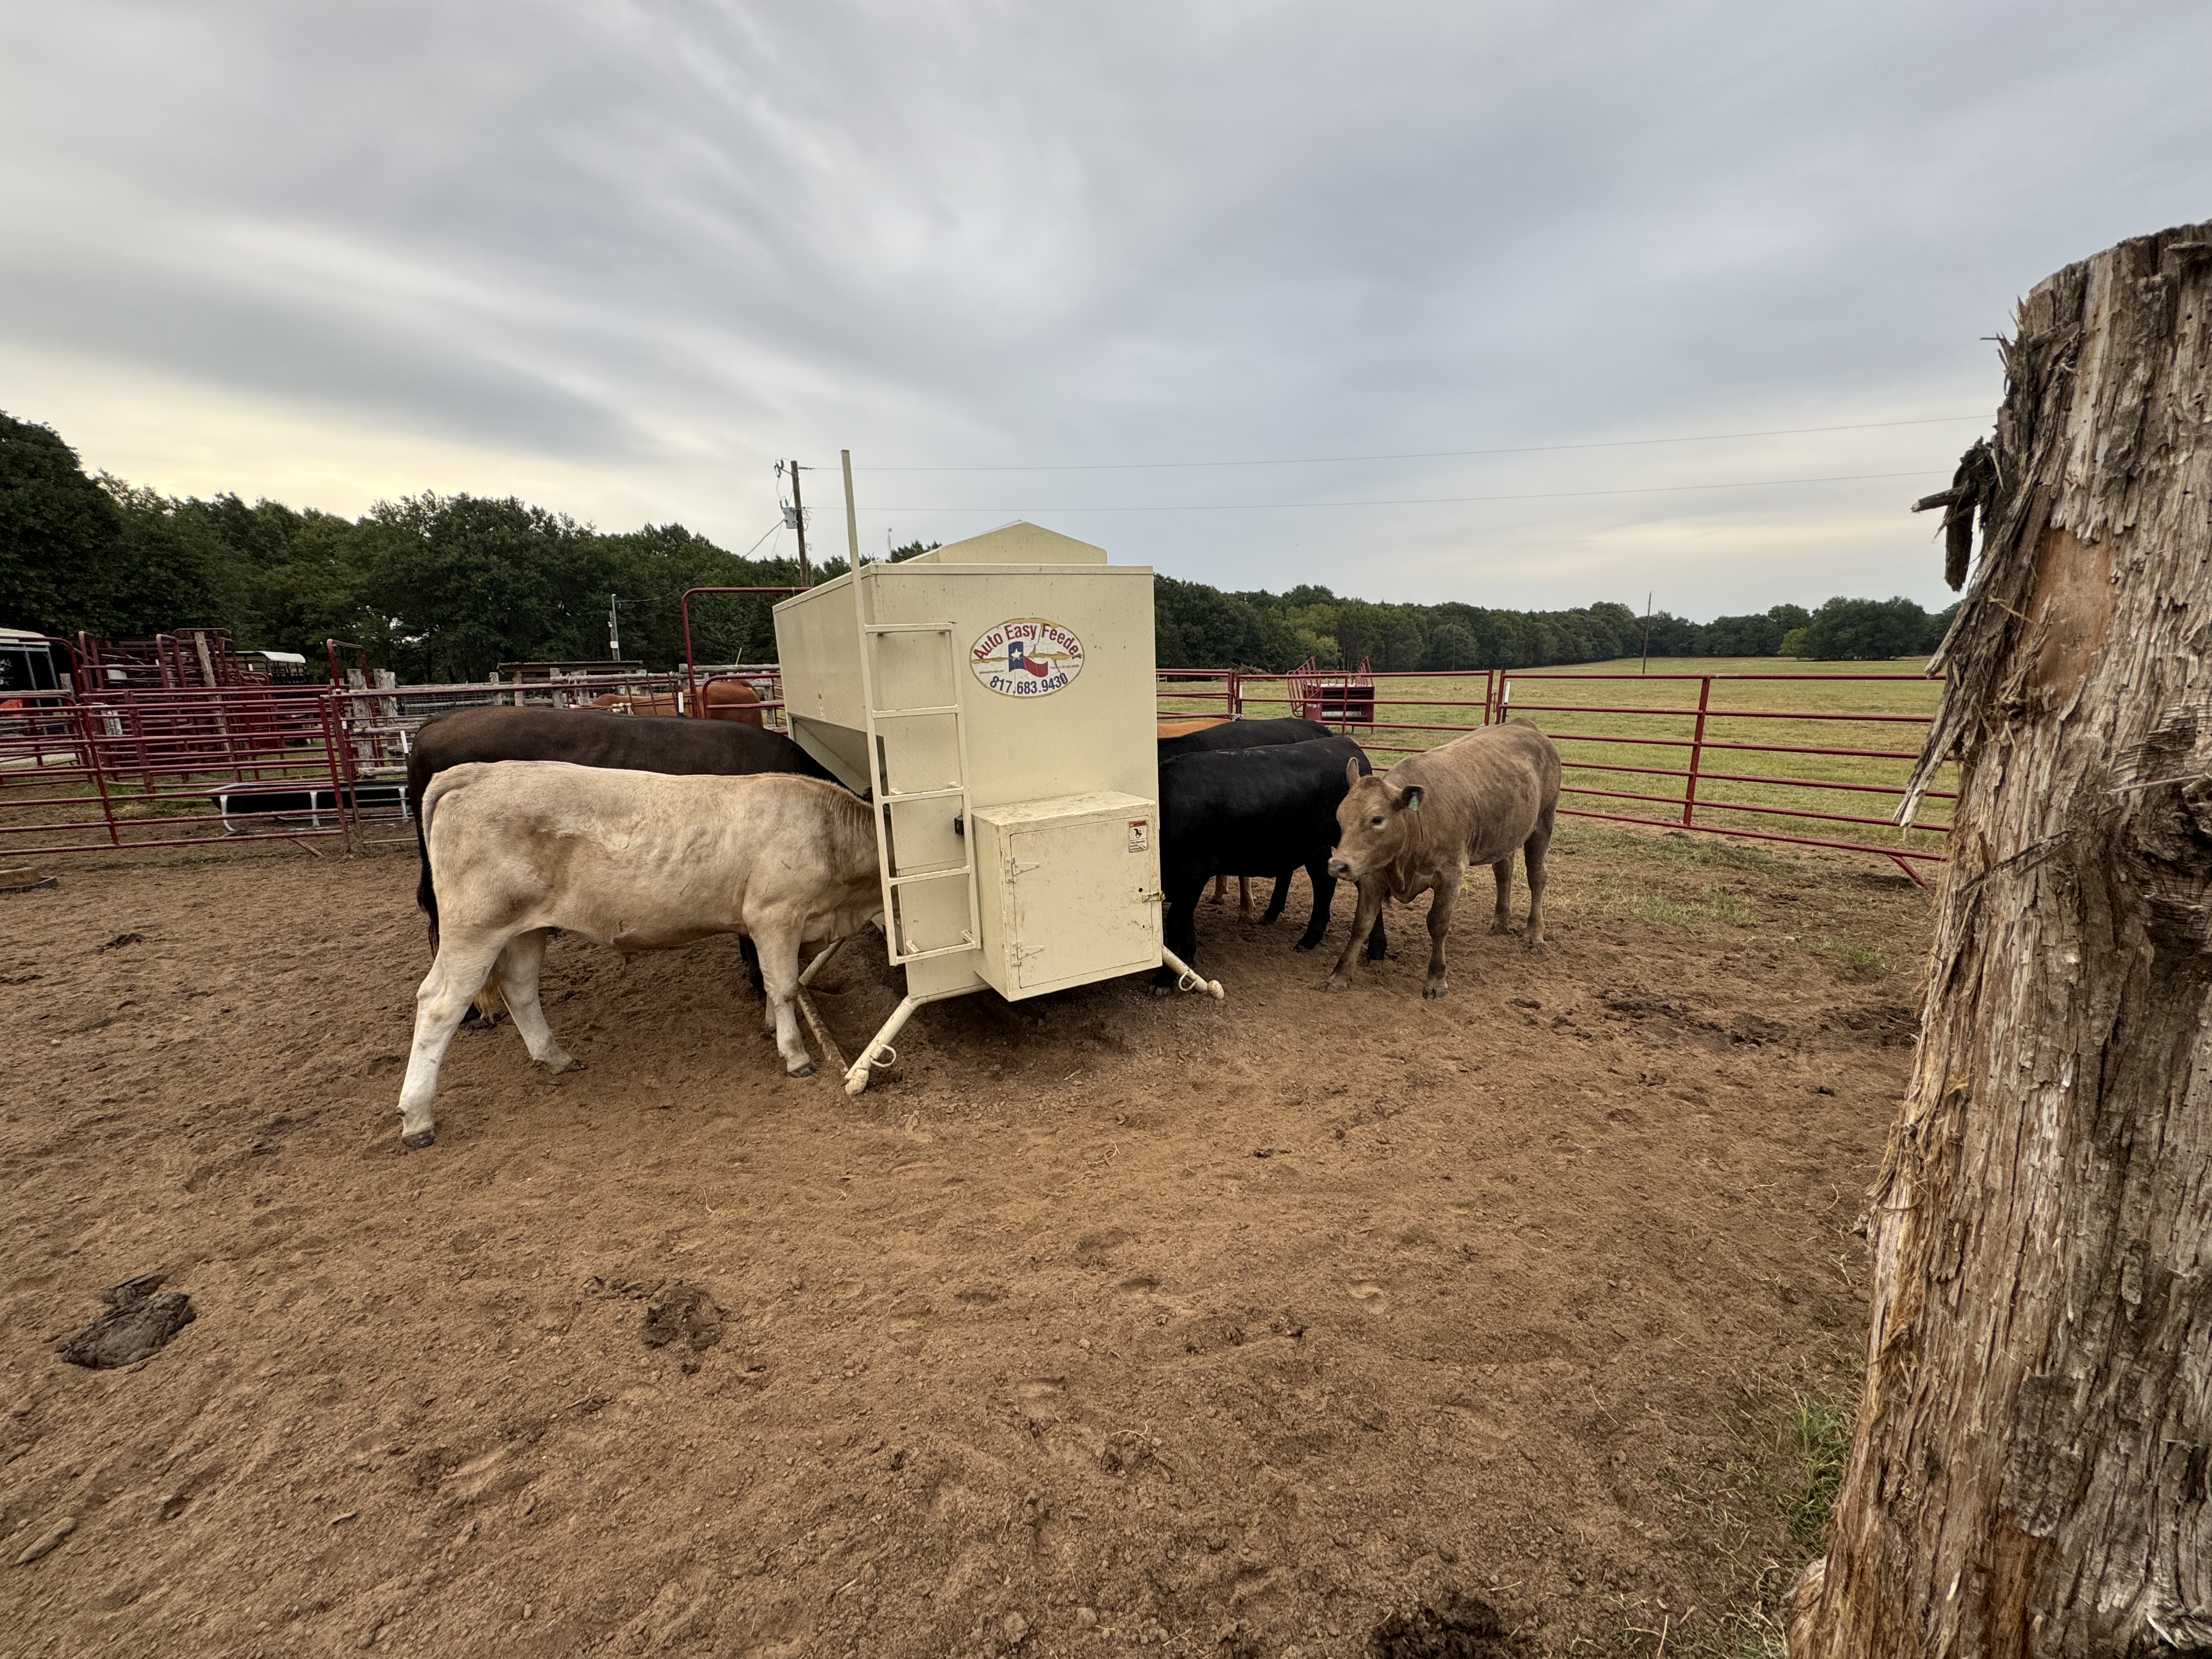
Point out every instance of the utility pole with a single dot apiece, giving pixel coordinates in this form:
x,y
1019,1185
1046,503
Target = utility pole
x,y
614,627
1647,633
852,520
796,518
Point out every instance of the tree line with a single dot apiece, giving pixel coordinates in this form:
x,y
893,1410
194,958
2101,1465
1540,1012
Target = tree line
x,y
446,588
1201,626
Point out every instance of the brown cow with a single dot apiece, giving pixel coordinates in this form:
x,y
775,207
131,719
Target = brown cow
x,y
725,700
640,860
1416,829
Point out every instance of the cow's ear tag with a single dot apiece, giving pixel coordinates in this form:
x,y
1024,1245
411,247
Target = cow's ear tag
x,y
1411,800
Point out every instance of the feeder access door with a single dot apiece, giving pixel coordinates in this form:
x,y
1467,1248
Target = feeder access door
x,y
1070,888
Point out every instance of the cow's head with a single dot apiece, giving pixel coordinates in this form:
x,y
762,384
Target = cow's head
x,y
1372,824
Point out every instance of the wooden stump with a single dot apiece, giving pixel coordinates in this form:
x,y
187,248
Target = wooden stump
x,y
2033,1454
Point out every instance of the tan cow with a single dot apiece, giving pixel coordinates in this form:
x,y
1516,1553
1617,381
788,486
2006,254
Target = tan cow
x,y
1416,828
724,699
640,860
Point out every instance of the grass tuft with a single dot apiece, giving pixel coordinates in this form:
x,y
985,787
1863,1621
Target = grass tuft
x,y
1763,1509
1817,1439
1718,904
1727,854
1859,961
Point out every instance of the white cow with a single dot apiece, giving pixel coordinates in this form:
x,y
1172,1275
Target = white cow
x,y
640,860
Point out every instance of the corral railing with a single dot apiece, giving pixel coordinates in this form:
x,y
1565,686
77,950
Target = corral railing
x,y
174,767
380,723
180,767
1669,751
1195,693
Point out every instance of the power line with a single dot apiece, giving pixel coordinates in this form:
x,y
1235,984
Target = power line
x,y
1440,454
1431,500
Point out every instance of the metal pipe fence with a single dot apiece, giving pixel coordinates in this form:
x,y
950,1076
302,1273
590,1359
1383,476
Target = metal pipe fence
x,y
167,767
1198,692
1606,735
175,766
148,768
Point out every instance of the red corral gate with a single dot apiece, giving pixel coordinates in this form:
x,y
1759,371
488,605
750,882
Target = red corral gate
x,y
1697,752
152,767
171,767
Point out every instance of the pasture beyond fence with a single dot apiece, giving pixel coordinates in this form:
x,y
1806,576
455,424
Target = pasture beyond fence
x,y
1809,759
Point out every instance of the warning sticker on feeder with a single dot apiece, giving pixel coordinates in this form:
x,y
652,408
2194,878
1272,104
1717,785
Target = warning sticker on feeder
x,y
1140,834
1026,657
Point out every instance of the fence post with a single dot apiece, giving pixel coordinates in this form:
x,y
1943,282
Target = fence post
x,y
1697,752
91,724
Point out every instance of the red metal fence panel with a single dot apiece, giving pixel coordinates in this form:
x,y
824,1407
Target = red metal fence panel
x,y
172,767
1606,732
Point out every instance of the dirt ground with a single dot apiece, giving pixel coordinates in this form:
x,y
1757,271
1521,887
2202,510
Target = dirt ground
x,y
1100,1324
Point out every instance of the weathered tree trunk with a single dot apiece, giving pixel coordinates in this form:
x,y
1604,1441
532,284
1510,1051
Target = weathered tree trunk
x,y
2035,1449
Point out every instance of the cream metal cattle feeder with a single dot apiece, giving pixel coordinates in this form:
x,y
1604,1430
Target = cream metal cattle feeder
x,y
998,697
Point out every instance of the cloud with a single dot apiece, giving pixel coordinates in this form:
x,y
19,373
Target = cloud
x,y
618,257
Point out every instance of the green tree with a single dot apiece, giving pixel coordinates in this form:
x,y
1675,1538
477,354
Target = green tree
x,y
82,553
1865,630
56,525
469,583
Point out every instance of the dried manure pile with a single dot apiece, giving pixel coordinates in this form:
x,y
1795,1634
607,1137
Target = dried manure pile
x,y
1514,1322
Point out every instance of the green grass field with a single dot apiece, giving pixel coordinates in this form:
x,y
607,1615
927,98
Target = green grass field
x,y
1609,718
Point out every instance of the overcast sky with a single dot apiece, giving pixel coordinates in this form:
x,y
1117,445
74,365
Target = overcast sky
x,y
615,258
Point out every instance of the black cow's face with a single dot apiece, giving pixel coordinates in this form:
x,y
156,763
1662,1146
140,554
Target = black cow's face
x,y
1371,825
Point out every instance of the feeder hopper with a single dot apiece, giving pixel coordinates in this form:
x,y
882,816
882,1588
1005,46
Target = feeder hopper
x,y
996,698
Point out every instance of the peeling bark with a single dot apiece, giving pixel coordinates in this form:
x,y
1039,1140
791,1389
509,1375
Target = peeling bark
x,y
2033,1453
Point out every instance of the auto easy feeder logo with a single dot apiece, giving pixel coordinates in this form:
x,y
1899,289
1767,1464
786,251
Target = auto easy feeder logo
x,y
1026,657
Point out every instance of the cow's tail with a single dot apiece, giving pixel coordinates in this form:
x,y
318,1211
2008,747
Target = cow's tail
x,y
426,894
490,1003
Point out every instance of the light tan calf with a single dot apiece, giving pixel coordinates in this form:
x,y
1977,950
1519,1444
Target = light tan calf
x,y
1416,829
640,860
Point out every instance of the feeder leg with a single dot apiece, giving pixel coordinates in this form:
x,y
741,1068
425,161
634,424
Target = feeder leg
x,y
820,962
880,1051
1189,979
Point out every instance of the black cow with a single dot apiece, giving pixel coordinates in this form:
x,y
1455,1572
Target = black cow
x,y
1251,812
1242,734
590,737
1246,734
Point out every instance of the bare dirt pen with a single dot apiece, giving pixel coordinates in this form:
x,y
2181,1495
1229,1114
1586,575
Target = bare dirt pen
x,y
1588,698
1101,1324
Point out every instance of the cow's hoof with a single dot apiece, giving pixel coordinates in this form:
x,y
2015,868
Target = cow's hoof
x,y
1430,993
1307,944
565,1063
1500,928
1164,991
416,1142
806,1070
1338,985
1534,944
